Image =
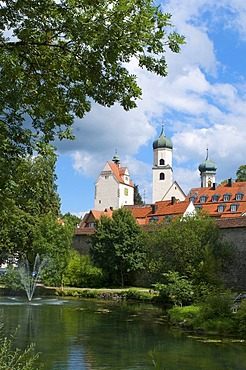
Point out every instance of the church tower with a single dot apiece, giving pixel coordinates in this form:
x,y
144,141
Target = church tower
x,y
207,172
162,166
114,187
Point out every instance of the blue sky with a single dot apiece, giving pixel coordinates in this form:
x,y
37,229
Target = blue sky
x,y
202,103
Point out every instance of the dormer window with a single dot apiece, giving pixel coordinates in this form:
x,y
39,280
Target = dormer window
x,y
215,197
226,197
162,176
198,207
239,196
221,208
153,219
162,162
203,198
234,207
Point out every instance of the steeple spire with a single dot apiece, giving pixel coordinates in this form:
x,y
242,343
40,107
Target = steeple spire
x,y
116,159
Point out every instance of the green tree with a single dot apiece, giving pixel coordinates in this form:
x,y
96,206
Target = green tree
x,y
117,246
137,196
193,247
58,56
241,173
73,219
54,240
28,193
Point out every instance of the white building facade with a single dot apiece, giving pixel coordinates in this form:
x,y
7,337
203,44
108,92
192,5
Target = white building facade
x,y
113,188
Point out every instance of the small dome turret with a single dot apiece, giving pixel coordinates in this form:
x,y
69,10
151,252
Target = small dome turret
x,y
207,165
162,141
116,159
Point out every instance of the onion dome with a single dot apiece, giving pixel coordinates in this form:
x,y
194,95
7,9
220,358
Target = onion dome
x,y
207,165
162,141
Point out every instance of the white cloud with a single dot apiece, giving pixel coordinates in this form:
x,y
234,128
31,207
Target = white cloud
x,y
201,104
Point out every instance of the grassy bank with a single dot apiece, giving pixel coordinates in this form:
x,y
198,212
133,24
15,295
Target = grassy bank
x,y
130,293
209,318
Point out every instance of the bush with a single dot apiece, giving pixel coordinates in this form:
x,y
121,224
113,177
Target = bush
x,y
11,279
81,273
240,318
217,305
185,315
177,289
220,325
15,358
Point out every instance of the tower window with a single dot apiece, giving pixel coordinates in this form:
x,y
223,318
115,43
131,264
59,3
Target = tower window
x,y
162,176
162,162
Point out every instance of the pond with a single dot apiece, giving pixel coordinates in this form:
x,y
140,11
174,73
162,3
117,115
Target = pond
x,y
90,334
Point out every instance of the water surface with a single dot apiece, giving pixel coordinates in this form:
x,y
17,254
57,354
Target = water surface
x,y
88,334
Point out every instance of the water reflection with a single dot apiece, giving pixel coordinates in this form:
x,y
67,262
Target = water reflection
x,y
92,335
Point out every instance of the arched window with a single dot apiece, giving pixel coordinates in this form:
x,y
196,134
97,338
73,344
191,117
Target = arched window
x,y
162,176
162,162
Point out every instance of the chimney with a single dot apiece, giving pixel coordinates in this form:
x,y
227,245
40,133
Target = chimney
x,y
154,208
229,182
173,199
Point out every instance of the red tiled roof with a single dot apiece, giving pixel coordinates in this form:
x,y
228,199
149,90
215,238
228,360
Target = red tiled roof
x,y
212,206
119,172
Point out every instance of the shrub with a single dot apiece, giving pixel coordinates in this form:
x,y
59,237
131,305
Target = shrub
x,y
240,318
217,305
186,315
81,272
15,358
11,279
177,289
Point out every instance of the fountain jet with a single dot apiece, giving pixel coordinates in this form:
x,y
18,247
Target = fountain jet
x,y
29,279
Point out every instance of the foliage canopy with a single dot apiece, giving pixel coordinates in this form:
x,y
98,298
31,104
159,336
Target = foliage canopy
x,y
58,56
117,246
241,173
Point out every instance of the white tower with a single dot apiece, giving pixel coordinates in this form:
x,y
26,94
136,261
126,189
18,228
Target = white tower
x,y
113,188
207,172
162,166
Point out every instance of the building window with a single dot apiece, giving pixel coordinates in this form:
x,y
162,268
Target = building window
x,y
215,197
91,224
106,177
99,202
162,176
226,197
118,193
239,196
234,207
221,208
126,178
162,162
203,198
198,207
153,219
126,191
